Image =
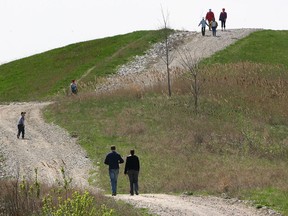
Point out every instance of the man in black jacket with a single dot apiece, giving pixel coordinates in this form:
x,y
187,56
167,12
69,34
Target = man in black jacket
x,y
113,159
132,168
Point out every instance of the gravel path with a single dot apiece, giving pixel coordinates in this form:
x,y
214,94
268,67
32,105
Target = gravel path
x,y
49,148
45,147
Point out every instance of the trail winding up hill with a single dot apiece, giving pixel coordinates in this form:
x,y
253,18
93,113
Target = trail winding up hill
x,y
49,148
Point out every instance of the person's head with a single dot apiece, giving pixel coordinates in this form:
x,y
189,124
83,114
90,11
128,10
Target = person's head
x,y
73,81
113,148
23,113
210,10
223,9
132,151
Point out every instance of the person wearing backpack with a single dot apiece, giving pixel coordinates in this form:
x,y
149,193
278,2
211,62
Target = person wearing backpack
x,y
214,26
73,87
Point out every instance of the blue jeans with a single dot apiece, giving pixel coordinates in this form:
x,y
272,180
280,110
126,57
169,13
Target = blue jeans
x,y
113,173
214,31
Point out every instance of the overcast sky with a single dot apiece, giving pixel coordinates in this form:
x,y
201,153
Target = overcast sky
x,y
28,27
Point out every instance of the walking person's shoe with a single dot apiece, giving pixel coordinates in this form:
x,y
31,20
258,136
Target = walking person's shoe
x,y
136,193
17,136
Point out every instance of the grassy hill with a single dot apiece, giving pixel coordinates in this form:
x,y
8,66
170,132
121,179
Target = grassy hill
x,y
41,76
237,144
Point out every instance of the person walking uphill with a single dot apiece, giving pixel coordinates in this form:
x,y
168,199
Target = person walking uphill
x,y
132,168
222,18
203,24
73,87
209,17
214,26
21,125
113,159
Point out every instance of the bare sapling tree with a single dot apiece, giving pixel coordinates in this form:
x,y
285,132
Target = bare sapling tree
x,y
168,57
190,63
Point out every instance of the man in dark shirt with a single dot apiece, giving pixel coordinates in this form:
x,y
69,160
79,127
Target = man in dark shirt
x,y
132,168
21,125
113,159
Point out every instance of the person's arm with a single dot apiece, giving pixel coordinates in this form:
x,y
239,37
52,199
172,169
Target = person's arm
x,y
126,166
120,160
138,164
106,161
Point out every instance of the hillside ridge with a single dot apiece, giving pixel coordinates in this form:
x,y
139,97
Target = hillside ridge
x,y
45,146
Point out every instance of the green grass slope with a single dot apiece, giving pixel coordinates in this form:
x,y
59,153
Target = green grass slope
x,y
43,75
268,47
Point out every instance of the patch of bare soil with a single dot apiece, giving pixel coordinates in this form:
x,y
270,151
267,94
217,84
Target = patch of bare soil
x,y
48,147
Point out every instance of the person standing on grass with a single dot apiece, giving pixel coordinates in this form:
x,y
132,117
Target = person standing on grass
x,y
21,125
113,159
209,17
132,168
203,24
222,18
214,26
73,87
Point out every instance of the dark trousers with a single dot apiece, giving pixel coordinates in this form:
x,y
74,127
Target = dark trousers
x,y
203,31
223,24
133,179
21,129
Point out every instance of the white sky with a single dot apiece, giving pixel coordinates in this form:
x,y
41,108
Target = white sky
x,y
28,27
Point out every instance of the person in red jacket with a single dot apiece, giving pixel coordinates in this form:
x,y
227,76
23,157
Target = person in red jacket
x,y
209,17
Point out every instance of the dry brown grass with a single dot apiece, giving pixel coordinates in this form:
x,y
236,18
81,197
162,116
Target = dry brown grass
x,y
258,93
238,140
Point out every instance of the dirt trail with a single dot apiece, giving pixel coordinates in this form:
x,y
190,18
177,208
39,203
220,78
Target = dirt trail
x,y
169,205
48,147
45,147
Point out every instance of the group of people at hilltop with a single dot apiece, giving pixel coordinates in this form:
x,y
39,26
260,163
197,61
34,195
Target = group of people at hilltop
x,y
212,23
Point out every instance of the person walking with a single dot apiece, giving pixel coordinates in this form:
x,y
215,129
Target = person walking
x,y
21,125
113,159
203,24
214,26
222,18
132,168
73,87
209,17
